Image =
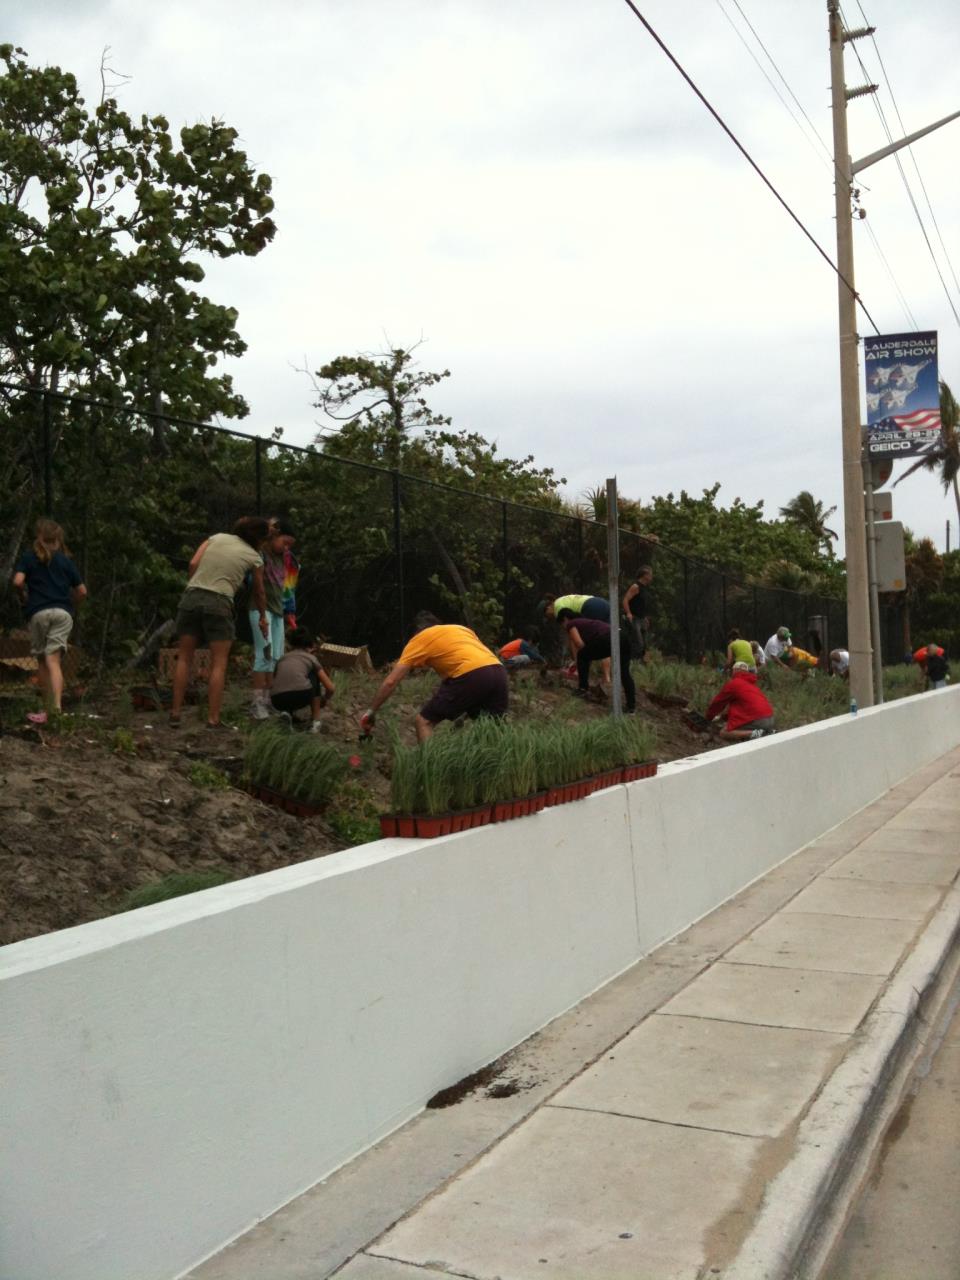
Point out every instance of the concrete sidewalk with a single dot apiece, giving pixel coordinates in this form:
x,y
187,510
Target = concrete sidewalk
x,y
687,1120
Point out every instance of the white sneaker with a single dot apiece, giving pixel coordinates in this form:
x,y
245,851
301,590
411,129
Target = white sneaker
x,y
315,726
260,711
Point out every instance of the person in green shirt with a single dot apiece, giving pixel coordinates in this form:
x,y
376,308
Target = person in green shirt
x,y
739,650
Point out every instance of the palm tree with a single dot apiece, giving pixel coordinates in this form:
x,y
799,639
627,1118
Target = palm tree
x,y
807,512
947,455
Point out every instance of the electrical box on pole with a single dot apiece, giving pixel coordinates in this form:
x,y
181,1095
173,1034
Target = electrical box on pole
x,y
891,566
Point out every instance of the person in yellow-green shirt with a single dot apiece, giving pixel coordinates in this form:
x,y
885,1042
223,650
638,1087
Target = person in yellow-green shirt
x,y
739,650
473,679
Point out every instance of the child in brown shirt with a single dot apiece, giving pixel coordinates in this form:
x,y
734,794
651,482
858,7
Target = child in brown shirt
x,y
299,680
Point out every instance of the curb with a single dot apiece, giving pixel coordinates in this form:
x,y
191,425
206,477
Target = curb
x,y
804,1207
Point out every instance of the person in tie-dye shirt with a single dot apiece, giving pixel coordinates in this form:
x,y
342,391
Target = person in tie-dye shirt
x,y
291,572
268,649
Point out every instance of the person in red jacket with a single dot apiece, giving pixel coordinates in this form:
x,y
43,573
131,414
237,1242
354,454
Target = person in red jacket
x,y
749,714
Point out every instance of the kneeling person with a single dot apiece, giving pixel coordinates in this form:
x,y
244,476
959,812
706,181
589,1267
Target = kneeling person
x,y
473,680
299,680
749,714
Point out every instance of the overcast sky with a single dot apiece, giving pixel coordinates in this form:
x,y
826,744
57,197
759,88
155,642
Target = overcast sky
x,y
531,186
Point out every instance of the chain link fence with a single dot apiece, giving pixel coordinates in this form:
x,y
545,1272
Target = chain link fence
x,y
137,491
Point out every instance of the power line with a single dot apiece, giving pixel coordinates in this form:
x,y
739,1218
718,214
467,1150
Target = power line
x,y
756,37
827,158
750,160
910,150
911,321
763,71
909,191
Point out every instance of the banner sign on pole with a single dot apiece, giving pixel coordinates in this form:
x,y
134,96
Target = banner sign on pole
x,y
903,394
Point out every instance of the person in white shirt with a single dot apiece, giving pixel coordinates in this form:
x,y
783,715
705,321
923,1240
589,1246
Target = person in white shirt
x,y
840,663
778,644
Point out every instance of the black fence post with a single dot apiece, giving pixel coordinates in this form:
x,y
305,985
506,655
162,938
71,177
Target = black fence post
x,y
686,612
579,555
47,459
398,553
505,547
756,617
723,606
258,474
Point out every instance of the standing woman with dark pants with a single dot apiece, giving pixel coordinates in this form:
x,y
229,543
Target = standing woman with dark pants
x,y
590,639
205,615
50,587
636,610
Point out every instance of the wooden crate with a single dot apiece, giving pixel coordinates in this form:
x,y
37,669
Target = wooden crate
x,y
167,662
16,658
345,656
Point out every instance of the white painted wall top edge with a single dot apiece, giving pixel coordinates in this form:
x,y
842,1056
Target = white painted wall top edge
x,y
99,935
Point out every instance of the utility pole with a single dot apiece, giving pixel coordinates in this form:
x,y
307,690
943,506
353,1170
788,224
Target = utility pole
x,y
858,608
858,611
613,588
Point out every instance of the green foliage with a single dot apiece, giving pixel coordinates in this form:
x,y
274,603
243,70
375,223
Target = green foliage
x,y
300,765
208,777
490,761
737,538
173,886
353,814
122,743
105,220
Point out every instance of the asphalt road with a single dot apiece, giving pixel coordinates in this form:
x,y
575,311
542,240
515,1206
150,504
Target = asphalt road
x,y
907,1224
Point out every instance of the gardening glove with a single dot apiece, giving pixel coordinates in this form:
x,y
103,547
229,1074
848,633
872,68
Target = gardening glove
x,y
367,721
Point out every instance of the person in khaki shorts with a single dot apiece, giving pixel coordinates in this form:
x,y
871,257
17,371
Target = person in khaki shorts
x,y
50,586
205,613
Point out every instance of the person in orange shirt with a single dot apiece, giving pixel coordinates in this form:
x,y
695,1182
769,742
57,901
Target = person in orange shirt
x,y
473,679
932,661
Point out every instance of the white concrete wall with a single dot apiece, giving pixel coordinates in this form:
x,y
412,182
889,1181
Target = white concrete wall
x,y
172,1075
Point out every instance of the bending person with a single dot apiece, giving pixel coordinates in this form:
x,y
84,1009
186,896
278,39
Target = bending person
x,y
749,714
590,641
50,588
299,680
473,680
205,614
739,650
522,652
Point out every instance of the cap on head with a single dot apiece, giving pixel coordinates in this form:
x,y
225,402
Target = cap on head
x,y
783,633
740,666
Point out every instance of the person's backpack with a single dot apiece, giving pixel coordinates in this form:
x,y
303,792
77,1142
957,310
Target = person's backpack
x,y
936,666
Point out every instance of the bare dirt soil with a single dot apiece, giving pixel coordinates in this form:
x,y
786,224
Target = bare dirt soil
x,y
114,799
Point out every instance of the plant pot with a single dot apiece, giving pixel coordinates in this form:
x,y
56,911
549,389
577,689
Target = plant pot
x,y
461,820
552,796
483,816
538,801
388,825
429,826
503,810
650,767
571,792
406,825
521,808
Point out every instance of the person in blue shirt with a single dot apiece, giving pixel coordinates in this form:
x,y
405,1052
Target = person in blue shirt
x,y
50,588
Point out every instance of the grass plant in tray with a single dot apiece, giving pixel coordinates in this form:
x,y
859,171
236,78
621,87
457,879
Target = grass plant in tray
x,y
297,765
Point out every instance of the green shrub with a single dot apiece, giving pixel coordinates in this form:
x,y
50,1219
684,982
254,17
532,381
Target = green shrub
x,y
208,777
173,886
